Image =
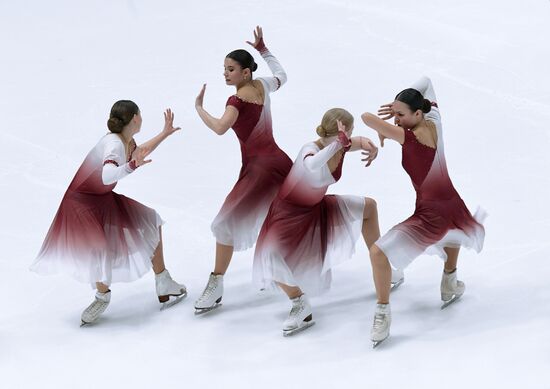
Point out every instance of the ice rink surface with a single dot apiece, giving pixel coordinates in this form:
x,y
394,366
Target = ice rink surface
x,y
64,63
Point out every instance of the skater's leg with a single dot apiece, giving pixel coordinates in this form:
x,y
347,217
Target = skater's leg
x,y
370,229
158,256
381,271
223,258
452,258
101,288
291,291
165,286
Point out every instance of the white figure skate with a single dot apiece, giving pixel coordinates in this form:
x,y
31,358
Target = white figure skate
x,y
96,308
299,318
167,288
451,289
211,296
381,326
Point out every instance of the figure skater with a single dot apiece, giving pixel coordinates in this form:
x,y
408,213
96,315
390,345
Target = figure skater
x,y
307,232
264,164
441,223
99,236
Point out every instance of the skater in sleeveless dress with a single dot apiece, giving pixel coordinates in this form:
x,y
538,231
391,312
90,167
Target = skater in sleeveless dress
x,y
101,237
441,223
264,164
306,231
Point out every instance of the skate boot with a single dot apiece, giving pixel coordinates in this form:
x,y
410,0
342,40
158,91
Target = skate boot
x,y
299,318
397,278
451,288
211,296
166,288
381,326
96,308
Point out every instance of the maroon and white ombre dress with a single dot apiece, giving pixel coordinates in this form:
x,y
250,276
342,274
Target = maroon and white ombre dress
x,y
98,235
307,232
441,218
264,167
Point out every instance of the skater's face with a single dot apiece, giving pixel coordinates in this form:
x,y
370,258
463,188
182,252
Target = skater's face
x,y
404,117
136,121
233,73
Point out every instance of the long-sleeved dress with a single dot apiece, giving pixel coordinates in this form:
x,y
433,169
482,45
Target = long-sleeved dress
x,y
98,235
264,167
307,232
441,218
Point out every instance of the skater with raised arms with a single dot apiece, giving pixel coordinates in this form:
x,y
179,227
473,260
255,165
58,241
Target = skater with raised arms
x,y
101,237
264,164
441,223
307,232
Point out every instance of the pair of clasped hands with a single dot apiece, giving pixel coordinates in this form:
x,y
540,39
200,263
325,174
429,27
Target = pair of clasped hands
x,y
369,149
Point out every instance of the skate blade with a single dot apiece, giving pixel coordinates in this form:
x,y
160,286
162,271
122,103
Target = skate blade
x,y
449,302
395,285
376,343
83,323
171,303
303,327
202,311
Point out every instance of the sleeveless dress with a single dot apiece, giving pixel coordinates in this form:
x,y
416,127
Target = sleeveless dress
x,y
98,235
441,218
264,168
307,232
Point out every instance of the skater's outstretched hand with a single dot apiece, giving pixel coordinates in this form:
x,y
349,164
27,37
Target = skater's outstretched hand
x,y
370,151
386,111
258,39
200,97
139,154
169,128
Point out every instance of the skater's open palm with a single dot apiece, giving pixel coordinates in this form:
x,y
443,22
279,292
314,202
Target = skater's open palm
x,y
258,39
200,98
169,128
370,151
139,154
386,111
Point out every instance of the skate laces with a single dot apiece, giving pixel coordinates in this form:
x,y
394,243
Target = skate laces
x,y
297,308
379,320
96,307
209,290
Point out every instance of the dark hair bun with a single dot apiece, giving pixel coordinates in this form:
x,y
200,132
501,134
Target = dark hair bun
x,y
254,67
115,125
426,106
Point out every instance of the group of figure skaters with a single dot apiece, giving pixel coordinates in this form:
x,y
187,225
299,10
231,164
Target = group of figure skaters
x,y
101,237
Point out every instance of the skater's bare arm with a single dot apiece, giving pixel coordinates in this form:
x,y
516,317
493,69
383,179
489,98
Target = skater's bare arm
x,y
369,149
383,128
221,125
149,146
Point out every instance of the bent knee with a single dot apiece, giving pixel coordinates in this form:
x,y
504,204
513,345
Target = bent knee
x,y
376,254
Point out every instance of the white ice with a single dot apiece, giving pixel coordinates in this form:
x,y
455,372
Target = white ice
x,y
63,65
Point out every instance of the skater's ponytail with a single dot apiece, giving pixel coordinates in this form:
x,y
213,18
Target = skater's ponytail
x,y
244,58
414,100
329,126
122,113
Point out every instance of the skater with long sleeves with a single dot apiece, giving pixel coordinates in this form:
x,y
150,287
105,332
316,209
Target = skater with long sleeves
x,y
441,223
307,232
264,164
101,237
